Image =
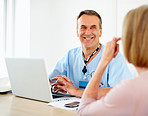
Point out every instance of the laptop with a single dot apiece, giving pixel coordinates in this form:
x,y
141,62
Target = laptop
x,y
28,78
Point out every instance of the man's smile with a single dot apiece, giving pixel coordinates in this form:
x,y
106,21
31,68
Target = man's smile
x,y
88,38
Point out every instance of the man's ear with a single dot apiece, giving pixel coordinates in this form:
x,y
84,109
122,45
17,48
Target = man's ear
x,y
77,33
100,32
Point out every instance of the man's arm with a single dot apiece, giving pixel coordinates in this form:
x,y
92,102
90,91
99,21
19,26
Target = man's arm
x,y
65,85
101,92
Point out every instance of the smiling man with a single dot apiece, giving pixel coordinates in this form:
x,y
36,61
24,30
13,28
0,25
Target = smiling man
x,y
72,73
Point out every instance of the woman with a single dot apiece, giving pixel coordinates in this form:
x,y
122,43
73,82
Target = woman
x,y
130,97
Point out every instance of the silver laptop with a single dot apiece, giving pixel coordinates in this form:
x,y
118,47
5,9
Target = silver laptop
x,y
28,78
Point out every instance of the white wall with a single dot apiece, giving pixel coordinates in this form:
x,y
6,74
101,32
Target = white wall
x,y
123,6
21,43
53,26
18,28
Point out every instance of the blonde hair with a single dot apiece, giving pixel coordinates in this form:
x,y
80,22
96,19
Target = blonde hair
x,y
135,36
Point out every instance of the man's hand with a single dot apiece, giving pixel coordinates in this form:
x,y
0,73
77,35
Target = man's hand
x,y
62,83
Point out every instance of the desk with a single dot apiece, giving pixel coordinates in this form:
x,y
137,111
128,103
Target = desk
x,y
11,105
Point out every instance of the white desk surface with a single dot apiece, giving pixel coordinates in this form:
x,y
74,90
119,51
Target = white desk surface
x,y
11,105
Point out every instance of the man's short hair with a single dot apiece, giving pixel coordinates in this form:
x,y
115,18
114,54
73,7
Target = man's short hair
x,y
90,12
135,36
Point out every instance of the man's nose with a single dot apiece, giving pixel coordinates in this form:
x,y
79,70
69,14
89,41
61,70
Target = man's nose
x,y
88,32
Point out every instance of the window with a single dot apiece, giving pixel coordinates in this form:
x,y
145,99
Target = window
x,y
2,36
6,33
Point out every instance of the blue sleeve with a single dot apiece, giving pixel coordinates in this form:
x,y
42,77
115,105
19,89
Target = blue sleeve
x,y
60,68
118,71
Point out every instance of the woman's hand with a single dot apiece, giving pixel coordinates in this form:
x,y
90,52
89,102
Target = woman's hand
x,y
111,50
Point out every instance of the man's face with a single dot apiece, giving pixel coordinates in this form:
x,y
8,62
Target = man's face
x,y
89,31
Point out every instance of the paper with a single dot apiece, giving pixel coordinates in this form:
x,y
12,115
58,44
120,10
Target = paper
x,y
60,102
4,84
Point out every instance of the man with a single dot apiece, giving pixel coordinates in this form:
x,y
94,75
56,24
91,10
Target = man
x,y
75,69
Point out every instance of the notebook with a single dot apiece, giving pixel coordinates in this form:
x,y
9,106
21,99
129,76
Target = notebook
x,y
28,79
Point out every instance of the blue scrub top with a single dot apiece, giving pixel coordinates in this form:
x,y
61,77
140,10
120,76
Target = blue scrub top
x,y
72,63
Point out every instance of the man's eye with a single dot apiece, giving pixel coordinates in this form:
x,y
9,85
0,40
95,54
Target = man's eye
x,y
93,27
83,27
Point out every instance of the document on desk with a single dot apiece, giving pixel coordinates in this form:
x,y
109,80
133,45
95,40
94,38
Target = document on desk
x,y
60,102
4,85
